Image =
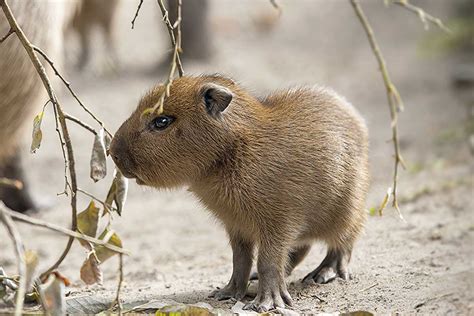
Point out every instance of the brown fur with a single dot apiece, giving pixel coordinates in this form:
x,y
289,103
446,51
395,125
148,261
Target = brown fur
x,y
21,91
279,172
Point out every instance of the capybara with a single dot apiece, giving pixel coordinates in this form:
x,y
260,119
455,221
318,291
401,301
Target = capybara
x,y
280,172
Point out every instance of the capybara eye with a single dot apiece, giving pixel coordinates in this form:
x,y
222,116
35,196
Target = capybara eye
x,y
161,122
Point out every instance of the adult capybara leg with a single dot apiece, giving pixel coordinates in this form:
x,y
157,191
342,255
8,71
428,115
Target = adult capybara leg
x,y
15,199
334,265
295,256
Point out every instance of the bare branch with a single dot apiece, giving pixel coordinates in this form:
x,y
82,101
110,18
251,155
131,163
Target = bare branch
x,y
10,32
170,29
68,86
423,15
72,234
175,61
117,302
79,122
136,14
107,207
276,6
394,100
6,219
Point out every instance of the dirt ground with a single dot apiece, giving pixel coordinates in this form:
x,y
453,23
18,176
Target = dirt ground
x,y
180,252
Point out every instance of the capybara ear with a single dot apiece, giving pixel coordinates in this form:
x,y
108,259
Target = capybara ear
x,y
216,98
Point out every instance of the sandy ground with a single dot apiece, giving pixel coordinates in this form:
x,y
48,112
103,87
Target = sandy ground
x,y
178,250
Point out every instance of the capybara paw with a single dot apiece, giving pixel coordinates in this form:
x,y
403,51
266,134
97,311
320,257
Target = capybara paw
x,y
265,302
227,293
325,275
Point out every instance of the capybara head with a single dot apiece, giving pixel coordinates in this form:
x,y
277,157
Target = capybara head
x,y
180,145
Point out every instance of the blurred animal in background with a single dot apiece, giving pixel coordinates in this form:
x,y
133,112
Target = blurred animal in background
x,y
91,15
21,90
195,39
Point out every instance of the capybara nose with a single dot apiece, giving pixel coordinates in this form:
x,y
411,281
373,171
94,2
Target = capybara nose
x,y
121,156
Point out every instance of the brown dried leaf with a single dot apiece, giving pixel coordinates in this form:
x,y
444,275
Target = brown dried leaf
x,y
87,222
98,159
90,270
37,135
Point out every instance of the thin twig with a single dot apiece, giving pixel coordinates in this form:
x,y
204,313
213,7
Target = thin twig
x,y
394,100
170,29
136,14
65,132
67,185
175,61
423,15
10,32
13,183
276,6
7,221
117,302
73,234
107,207
370,287
68,86
79,122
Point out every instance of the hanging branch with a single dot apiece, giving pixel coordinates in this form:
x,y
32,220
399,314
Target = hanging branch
x,y
422,14
136,14
175,60
170,28
68,86
394,102
79,122
6,219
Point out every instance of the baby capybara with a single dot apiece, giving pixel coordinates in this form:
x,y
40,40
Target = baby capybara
x,y
280,172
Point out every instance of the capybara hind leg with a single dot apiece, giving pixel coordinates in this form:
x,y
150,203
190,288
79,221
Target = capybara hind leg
x,y
294,258
16,199
334,265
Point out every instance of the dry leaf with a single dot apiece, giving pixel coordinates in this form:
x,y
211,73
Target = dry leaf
x,y
120,191
117,193
385,201
52,296
113,239
98,159
90,270
62,278
31,260
37,134
110,198
87,222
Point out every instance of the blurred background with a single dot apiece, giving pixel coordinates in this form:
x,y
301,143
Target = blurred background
x,y
178,249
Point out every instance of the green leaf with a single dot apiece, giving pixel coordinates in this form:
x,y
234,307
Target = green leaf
x,y
113,239
37,134
87,222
